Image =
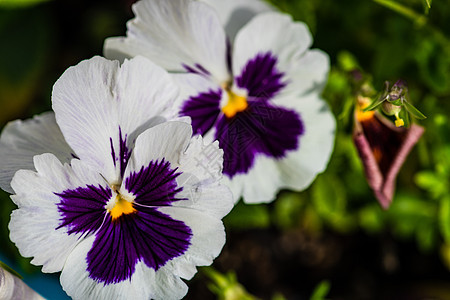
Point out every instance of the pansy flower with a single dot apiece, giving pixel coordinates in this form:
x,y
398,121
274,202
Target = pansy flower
x,y
383,148
139,205
257,94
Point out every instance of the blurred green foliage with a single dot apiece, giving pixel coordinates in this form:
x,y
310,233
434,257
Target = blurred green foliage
x,y
19,3
321,291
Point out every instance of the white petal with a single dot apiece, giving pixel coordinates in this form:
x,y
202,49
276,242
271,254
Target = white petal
x,y
299,168
206,243
21,140
144,91
207,240
33,226
173,33
145,283
259,185
271,32
202,216
97,101
192,85
306,75
201,167
164,141
234,14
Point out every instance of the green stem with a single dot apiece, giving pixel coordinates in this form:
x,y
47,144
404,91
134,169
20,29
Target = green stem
x,y
419,19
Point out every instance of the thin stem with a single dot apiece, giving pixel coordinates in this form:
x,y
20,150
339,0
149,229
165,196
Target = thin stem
x,y
419,19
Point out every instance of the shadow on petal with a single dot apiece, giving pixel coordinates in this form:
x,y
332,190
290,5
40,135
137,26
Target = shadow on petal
x,y
382,148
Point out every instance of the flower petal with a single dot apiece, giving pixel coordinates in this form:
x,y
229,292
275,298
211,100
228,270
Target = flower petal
x,y
180,35
201,167
261,129
154,145
199,163
147,235
101,108
261,77
202,215
300,167
204,110
21,140
273,33
259,185
36,226
152,285
208,239
234,14
307,75
296,168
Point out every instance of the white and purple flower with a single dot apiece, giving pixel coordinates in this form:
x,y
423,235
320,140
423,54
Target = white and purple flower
x,y
256,91
127,204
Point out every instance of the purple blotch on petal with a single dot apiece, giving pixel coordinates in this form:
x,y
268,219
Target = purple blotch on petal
x,y
260,77
82,209
203,109
154,185
147,235
261,129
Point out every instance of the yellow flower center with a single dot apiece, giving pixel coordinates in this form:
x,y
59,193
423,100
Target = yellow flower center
x,y
121,207
362,115
234,105
399,121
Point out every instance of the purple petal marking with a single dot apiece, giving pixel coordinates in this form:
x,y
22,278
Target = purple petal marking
x,y
260,77
154,185
146,235
203,109
196,69
83,209
228,57
261,129
124,152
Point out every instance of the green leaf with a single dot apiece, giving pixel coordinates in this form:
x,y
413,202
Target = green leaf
x,y
287,210
347,61
375,103
434,63
321,291
444,219
371,218
245,216
433,183
330,202
226,286
405,116
20,3
414,111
